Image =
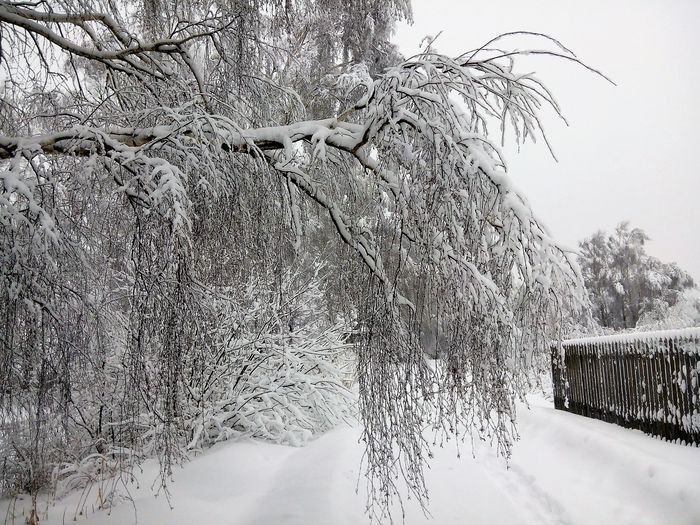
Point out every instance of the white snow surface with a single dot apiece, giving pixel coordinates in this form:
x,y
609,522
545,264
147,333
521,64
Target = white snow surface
x,y
566,469
632,337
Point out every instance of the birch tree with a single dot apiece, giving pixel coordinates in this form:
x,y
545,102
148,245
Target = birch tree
x,y
160,158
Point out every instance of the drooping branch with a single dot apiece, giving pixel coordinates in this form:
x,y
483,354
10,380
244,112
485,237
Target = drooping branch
x,y
364,247
113,46
410,107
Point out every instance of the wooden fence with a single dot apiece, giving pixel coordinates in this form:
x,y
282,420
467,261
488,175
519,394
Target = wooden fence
x,y
649,381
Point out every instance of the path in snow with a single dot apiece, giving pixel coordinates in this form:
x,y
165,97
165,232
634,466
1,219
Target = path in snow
x,y
565,470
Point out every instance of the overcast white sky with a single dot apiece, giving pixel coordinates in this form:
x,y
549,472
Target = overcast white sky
x,y
631,152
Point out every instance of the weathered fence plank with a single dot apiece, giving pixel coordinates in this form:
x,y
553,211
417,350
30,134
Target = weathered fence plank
x,y
646,380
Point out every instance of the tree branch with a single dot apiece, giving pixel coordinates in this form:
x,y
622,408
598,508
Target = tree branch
x,y
84,141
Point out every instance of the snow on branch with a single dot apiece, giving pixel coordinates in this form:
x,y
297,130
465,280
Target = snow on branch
x,y
85,141
112,44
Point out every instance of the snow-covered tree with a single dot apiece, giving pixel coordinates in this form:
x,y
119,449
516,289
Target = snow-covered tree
x,y
659,315
624,282
162,160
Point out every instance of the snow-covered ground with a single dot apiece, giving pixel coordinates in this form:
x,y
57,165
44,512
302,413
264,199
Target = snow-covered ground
x,y
565,469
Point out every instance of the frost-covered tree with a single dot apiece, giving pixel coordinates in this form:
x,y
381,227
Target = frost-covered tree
x,y
624,282
171,170
661,316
